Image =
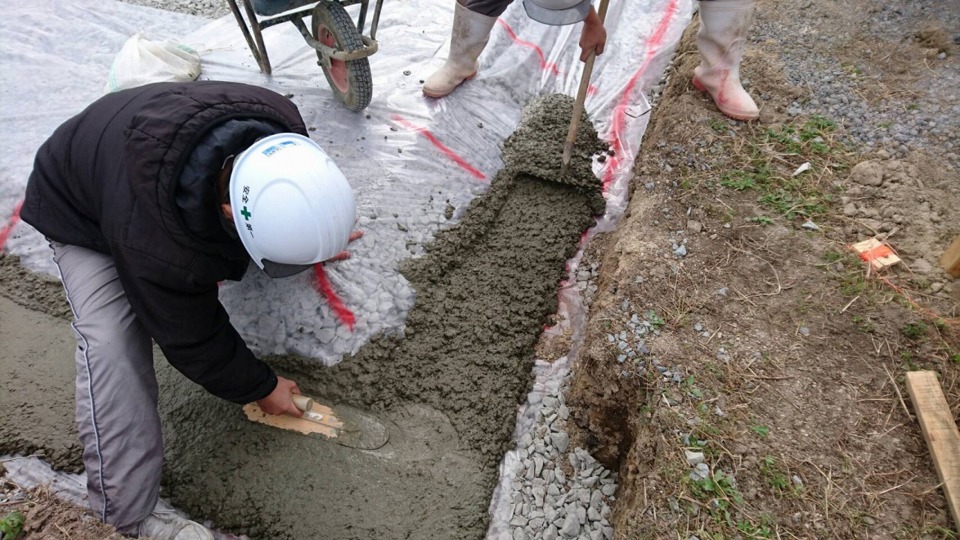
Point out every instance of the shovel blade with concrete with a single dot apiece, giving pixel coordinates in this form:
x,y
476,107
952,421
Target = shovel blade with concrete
x,y
342,424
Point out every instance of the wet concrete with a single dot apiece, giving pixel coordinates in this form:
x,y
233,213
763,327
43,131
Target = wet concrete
x,y
449,388
36,385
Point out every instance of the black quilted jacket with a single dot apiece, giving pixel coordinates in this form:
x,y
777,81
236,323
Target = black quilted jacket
x,y
133,177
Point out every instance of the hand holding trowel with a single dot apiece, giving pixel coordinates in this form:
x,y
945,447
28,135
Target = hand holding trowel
x,y
343,425
581,96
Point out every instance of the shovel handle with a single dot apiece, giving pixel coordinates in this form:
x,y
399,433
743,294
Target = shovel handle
x,y
581,95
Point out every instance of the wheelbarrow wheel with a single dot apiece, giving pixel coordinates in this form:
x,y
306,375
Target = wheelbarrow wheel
x,y
350,80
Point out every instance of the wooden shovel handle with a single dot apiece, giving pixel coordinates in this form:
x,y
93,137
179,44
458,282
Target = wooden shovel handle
x,y
582,93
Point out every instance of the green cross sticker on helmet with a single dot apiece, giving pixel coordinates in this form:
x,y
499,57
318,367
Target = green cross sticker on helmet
x,y
303,204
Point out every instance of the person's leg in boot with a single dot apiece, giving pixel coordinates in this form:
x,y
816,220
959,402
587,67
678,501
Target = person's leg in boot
x,y
721,41
473,21
116,400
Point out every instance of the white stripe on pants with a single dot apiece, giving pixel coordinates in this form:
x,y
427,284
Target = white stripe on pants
x,y
116,391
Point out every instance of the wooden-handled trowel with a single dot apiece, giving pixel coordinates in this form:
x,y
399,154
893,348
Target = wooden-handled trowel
x,y
345,426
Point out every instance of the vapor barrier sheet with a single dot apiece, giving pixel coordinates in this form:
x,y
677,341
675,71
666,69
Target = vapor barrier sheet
x,y
414,162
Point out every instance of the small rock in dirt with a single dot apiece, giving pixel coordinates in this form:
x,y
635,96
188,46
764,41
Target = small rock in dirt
x,y
694,458
804,330
649,185
797,481
810,226
694,225
936,287
867,173
680,251
698,327
921,266
700,472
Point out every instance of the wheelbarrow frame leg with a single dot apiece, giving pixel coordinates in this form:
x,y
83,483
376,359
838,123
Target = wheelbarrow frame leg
x,y
255,42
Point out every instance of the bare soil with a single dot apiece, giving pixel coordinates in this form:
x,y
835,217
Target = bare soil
x,y
792,353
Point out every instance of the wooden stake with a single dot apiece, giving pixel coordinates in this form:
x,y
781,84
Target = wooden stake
x,y
581,96
940,431
950,260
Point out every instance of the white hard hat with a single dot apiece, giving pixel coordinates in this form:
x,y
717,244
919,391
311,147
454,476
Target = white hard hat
x,y
557,12
291,204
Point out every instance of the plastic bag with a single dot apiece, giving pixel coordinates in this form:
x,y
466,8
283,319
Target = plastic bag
x,y
142,61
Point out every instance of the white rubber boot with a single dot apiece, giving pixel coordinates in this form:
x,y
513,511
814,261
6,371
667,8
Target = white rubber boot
x,y
165,525
721,40
467,40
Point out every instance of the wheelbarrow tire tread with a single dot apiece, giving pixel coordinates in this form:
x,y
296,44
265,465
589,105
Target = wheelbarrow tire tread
x,y
334,17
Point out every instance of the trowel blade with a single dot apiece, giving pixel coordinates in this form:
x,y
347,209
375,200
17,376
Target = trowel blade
x,y
341,424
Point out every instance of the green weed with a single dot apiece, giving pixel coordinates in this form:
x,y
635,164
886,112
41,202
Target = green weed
x,y
832,256
655,320
772,473
755,530
12,525
914,331
792,205
761,220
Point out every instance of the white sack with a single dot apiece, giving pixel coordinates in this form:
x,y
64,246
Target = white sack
x,y
142,61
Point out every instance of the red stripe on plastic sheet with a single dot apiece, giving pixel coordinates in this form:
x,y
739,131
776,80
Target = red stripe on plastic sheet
x,y
620,111
323,286
544,65
11,223
442,147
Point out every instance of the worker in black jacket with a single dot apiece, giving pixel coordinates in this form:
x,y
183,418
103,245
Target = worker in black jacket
x,y
149,198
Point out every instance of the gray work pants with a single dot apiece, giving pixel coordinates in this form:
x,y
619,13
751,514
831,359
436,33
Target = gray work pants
x,y
116,391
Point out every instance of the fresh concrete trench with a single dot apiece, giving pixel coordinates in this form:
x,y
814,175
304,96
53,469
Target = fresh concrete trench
x,y
449,388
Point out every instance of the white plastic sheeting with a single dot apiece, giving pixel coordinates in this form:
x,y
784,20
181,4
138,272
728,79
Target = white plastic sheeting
x,y
414,163
411,160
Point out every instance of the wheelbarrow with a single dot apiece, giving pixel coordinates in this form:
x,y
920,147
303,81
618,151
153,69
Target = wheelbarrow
x,y
341,47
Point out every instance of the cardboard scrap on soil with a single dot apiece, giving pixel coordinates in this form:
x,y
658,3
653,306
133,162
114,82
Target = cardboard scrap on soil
x,y
877,253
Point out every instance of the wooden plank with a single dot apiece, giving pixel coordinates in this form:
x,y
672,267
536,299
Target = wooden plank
x,y
950,260
940,431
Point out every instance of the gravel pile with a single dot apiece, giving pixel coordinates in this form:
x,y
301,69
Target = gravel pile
x,y
211,9
897,122
555,497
